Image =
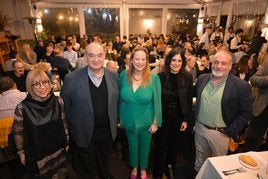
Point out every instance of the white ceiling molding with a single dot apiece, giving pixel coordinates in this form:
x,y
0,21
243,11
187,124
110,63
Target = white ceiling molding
x,y
159,2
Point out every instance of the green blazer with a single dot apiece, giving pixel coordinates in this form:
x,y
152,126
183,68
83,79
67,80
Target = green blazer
x,y
138,109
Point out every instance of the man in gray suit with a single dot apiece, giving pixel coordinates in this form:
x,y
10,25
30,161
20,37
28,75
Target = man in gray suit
x,y
223,108
91,97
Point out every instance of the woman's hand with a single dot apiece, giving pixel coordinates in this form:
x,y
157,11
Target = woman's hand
x,y
22,159
153,128
67,148
183,126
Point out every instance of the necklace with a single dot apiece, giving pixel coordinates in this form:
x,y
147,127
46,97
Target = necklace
x,y
136,78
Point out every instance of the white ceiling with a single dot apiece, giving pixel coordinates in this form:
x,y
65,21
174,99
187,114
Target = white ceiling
x,y
184,2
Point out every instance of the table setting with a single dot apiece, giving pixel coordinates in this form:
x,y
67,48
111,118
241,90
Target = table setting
x,y
250,165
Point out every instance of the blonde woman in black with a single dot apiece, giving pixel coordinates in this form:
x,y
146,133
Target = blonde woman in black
x,y
40,130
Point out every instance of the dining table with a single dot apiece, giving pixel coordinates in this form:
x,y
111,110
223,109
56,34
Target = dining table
x,y
213,167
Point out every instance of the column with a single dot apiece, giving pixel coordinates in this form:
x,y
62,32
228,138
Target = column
x,y
82,25
200,22
265,21
230,16
164,21
123,19
218,20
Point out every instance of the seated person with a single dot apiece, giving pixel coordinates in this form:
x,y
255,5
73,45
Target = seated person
x,y
18,75
49,51
70,54
40,50
125,65
205,66
10,97
112,65
59,64
191,66
27,55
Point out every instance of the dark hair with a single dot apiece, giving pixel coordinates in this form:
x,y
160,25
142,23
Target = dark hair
x,y
219,42
243,64
171,54
6,83
69,43
239,31
16,61
259,33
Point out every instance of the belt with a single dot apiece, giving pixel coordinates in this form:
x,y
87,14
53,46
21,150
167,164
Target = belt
x,y
220,129
214,128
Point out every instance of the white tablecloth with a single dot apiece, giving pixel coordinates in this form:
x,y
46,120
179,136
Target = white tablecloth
x,y
213,166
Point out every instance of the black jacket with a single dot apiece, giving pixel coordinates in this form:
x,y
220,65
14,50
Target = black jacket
x,y
185,92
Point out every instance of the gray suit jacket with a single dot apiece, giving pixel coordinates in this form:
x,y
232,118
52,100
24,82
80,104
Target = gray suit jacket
x,y
78,105
236,102
260,81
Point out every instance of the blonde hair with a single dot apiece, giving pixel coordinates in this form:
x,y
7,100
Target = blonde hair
x,y
44,66
33,76
58,50
146,71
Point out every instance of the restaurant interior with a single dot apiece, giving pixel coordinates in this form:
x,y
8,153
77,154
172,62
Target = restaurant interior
x,y
27,21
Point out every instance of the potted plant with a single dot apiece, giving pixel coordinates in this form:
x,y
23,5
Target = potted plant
x,y
4,22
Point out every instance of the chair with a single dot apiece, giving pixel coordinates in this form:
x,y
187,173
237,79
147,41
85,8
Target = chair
x,y
8,151
5,129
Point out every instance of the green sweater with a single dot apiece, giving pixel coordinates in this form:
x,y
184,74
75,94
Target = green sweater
x,y
138,109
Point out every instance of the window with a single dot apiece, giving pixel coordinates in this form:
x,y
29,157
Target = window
x,y
102,21
144,21
249,16
182,21
249,23
59,21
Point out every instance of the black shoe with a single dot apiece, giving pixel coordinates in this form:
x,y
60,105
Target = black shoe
x,y
157,177
109,177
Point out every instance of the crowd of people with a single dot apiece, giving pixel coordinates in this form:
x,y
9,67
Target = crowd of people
x,y
144,85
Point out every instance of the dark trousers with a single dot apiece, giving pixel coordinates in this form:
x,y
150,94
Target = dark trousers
x,y
87,161
165,147
257,128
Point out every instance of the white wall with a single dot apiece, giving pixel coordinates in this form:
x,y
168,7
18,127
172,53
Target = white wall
x,y
16,10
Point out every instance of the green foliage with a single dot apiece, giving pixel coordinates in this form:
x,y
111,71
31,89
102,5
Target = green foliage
x,y
43,35
4,20
248,37
31,42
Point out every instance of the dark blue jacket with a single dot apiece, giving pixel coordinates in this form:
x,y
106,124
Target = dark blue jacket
x,y
236,102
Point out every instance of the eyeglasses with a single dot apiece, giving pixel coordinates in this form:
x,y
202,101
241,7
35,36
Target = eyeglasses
x,y
37,85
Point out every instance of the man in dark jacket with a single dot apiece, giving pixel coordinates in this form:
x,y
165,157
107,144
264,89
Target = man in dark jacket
x,y
257,43
223,108
18,75
59,65
91,95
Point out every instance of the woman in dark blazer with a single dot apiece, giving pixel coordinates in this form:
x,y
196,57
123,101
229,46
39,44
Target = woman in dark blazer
x,y
177,93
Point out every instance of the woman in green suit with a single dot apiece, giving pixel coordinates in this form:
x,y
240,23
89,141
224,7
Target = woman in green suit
x,y
140,109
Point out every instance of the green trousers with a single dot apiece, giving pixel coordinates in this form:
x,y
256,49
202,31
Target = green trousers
x,y
139,148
